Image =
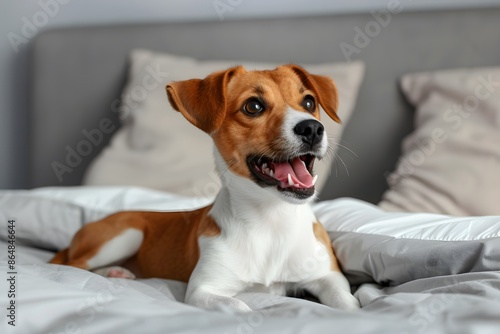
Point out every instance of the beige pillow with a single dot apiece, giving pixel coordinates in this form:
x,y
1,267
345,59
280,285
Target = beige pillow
x,y
157,148
451,162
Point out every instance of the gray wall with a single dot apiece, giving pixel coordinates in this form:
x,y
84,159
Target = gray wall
x,y
20,20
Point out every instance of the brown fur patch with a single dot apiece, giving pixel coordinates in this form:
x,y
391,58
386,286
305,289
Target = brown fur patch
x,y
169,249
61,257
202,101
208,227
322,236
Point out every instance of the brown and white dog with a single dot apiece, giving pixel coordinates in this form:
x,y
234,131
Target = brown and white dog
x,y
260,234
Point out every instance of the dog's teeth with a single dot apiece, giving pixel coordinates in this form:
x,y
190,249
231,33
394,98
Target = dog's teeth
x,y
315,178
265,170
264,166
296,185
271,173
290,181
304,163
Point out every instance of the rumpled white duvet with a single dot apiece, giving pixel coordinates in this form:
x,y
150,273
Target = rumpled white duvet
x,y
413,273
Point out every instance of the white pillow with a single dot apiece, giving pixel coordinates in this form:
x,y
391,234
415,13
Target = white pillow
x,y
392,248
157,148
451,162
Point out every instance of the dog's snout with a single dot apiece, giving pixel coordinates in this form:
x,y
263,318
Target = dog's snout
x,y
310,131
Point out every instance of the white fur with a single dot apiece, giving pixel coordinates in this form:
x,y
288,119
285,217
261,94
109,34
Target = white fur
x,y
267,244
117,249
333,290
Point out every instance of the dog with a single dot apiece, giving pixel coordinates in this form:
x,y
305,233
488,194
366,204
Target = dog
x,y
260,233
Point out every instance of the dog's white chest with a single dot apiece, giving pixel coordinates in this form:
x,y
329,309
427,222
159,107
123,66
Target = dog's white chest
x,y
271,247
281,259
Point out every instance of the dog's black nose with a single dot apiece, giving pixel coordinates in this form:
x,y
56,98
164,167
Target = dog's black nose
x,y
311,131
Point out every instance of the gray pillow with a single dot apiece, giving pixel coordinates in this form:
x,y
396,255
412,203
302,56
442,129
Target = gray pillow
x,y
451,162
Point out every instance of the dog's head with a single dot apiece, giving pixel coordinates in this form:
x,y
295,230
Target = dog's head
x,y
265,124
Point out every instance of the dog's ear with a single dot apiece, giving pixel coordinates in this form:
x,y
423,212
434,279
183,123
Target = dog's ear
x,y
203,101
324,87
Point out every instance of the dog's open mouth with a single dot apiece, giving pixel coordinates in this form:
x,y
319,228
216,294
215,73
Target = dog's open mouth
x,y
294,175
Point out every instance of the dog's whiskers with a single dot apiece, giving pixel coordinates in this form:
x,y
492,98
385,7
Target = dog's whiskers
x,y
343,163
332,150
348,149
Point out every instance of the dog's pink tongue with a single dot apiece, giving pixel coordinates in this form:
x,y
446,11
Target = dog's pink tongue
x,y
298,172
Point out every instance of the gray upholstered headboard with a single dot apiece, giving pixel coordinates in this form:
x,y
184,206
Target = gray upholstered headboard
x,y
77,74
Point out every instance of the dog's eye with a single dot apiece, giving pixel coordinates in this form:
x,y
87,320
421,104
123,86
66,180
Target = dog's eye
x,y
253,107
308,103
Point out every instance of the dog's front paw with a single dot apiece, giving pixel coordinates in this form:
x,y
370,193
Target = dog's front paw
x,y
213,302
341,300
234,304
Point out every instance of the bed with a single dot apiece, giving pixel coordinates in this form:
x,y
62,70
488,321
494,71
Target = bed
x,y
413,273
421,256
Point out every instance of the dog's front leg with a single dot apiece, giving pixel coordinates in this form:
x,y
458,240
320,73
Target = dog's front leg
x,y
333,290
212,285
202,297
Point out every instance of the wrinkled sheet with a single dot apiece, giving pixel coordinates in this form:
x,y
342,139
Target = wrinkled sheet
x,y
61,299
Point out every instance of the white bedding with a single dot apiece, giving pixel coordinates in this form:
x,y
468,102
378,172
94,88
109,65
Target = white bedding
x,y
416,273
